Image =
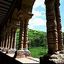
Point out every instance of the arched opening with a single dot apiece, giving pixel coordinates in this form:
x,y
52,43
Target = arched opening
x,y
37,30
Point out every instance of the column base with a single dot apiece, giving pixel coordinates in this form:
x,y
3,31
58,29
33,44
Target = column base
x,y
11,51
27,52
56,58
22,53
5,50
0,48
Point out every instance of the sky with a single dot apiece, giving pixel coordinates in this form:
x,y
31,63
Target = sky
x,y
38,20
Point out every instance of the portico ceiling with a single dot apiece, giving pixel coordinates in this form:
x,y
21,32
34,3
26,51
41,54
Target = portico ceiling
x,y
5,10
7,7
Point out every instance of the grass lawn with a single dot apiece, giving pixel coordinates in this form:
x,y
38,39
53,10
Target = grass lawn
x,y
38,51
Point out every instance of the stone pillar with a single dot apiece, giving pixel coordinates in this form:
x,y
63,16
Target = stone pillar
x,y
1,45
23,18
6,46
14,40
9,41
52,36
20,52
58,20
21,35
6,41
25,43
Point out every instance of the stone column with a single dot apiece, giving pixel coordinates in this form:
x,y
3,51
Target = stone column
x,y
14,40
9,41
25,43
21,35
6,41
11,50
20,52
25,34
6,46
52,36
1,45
23,18
58,20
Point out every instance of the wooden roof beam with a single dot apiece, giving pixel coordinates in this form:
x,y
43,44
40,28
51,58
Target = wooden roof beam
x,y
5,2
3,5
3,9
3,12
2,15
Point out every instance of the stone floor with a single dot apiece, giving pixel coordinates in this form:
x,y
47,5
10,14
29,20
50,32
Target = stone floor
x,y
9,58
58,57
5,59
28,60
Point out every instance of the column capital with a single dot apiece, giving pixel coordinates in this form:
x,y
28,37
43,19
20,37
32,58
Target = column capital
x,y
24,15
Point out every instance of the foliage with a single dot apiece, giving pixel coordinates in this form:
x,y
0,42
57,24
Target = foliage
x,y
17,38
37,42
36,38
38,51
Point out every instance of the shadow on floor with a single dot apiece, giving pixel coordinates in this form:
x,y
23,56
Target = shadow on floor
x,y
45,60
4,59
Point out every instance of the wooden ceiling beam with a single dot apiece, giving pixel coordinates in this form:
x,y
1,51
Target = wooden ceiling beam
x,y
3,9
3,12
9,0
5,2
2,5
2,15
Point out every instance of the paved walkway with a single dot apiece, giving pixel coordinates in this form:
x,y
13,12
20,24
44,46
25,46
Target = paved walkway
x,y
27,60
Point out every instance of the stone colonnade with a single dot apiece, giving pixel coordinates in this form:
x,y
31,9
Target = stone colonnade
x,y
8,42
23,18
54,34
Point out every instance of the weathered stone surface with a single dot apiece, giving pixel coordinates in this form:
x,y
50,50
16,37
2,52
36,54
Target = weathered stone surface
x,y
11,51
22,53
57,58
52,36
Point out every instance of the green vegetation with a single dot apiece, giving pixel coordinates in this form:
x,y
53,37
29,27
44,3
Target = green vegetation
x,y
36,38
17,39
37,42
38,51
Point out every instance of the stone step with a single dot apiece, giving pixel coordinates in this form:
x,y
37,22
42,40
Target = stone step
x,y
28,60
